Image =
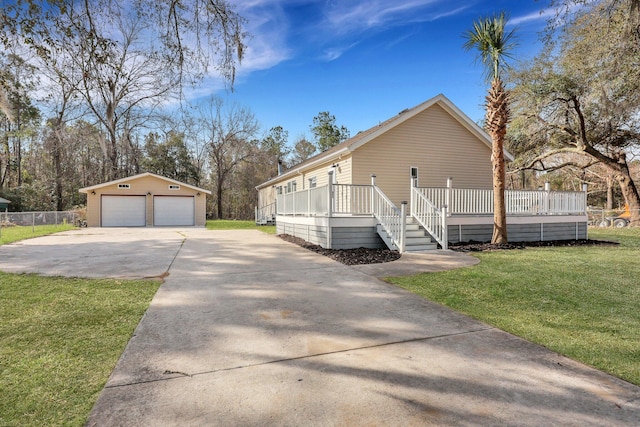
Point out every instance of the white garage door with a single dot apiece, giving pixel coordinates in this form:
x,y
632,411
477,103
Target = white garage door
x,y
173,210
124,211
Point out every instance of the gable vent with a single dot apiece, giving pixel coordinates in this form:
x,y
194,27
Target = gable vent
x,y
124,186
174,187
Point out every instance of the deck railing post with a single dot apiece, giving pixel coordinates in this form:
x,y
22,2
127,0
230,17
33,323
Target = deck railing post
x,y
413,184
448,192
373,190
445,230
547,197
330,195
403,225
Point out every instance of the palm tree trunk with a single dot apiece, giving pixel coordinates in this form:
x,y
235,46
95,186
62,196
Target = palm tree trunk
x,y
496,124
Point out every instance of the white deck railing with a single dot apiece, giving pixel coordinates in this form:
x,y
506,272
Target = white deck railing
x,y
346,200
463,201
432,218
352,199
391,219
311,202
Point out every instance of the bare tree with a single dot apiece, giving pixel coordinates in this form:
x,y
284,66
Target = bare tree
x,y
132,56
230,133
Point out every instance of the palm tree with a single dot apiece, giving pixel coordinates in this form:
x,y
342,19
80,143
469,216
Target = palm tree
x,y
494,46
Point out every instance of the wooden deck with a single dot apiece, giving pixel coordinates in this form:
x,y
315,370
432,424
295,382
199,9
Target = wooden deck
x,y
350,216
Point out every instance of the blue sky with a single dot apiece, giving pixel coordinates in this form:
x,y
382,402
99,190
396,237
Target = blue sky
x,y
365,60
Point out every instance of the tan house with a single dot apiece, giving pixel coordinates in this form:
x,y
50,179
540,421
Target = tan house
x,y
426,156
145,200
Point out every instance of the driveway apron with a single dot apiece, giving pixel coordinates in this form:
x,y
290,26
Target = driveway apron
x,y
249,330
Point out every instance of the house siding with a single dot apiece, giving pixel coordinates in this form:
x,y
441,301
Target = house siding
x,y
434,142
267,195
356,237
519,232
316,234
140,187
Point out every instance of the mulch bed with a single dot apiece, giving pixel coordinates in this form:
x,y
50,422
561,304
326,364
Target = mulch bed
x,y
473,246
361,256
357,256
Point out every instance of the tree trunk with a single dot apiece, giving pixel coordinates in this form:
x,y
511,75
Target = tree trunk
x,y
497,117
630,193
499,208
219,198
609,181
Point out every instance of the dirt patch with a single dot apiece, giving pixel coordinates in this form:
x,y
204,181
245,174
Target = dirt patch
x,y
361,256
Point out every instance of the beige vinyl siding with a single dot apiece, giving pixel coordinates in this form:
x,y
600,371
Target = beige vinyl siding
x,y
434,142
141,187
266,196
321,172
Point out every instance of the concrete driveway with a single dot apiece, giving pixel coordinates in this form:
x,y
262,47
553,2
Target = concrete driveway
x,y
250,330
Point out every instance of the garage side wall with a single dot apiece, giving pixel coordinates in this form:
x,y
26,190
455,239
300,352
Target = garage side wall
x,y
149,187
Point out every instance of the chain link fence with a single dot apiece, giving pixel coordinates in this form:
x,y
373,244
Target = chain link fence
x,y
600,217
32,219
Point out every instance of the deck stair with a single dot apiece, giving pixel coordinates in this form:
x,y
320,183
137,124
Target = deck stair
x,y
416,238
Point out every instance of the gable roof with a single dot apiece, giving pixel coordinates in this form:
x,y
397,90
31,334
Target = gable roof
x,y
142,175
364,137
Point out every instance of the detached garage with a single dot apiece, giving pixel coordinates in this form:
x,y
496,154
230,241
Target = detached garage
x,y
145,200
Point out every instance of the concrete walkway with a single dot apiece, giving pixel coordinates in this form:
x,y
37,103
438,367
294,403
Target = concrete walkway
x,y
249,330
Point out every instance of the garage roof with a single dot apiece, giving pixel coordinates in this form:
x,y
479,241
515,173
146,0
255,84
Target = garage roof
x,y
142,175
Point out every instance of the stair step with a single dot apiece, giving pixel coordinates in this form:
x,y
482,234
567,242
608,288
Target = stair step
x,y
417,242
420,248
415,233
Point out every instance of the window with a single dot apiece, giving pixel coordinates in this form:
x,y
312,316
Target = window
x,y
294,186
174,187
279,189
313,182
124,186
289,186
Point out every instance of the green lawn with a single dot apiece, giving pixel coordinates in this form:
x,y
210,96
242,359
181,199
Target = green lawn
x,y
582,302
13,234
232,224
60,338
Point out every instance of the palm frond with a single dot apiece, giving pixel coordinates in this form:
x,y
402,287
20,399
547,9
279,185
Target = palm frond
x,y
493,42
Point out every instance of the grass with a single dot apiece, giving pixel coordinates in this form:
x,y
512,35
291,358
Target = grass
x,y
60,338
13,234
231,224
578,301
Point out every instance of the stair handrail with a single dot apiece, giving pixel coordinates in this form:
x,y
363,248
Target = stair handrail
x,y
388,215
429,216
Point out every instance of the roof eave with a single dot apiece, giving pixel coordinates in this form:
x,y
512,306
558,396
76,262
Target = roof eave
x,y
298,170
141,175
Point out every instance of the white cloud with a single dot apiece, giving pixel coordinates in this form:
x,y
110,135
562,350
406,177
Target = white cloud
x,y
331,54
347,17
268,27
532,17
